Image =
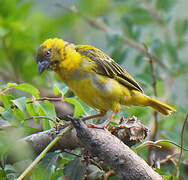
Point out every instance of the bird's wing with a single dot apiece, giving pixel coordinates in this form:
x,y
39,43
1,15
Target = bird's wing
x,y
107,66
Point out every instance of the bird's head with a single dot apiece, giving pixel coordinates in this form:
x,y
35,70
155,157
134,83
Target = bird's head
x,y
50,54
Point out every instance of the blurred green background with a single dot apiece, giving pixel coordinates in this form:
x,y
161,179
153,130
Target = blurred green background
x,y
161,25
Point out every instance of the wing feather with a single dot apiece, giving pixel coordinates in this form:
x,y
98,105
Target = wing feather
x,y
107,66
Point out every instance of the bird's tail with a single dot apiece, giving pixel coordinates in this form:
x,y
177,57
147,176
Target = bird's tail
x,y
139,99
160,106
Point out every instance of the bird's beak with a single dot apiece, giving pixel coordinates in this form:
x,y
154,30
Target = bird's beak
x,y
42,65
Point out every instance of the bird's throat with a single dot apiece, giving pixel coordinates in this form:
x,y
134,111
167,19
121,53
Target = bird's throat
x,y
71,59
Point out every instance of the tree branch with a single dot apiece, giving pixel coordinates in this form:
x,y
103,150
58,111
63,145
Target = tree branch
x,y
40,140
101,144
108,148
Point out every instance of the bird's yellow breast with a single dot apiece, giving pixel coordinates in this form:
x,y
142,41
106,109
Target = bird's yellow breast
x,y
97,91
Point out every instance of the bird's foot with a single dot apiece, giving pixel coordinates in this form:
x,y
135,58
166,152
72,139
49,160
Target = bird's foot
x,y
100,126
103,125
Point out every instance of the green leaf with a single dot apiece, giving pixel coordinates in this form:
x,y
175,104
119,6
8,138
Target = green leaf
x,y
57,174
2,174
29,130
45,124
166,177
35,109
181,27
165,144
6,100
28,88
10,171
94,172
60,88
157,47
78,109
56,90
11,84
18,114
112,39
8,115
1,109
32,110
40,173
63,161
159,171
138,16
172,51
113,123
119,53
75,169
20,103
49,160
45,108
165,5
139,59
24,9
48,109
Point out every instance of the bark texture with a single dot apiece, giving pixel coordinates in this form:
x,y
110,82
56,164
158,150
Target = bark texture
x,y
114,152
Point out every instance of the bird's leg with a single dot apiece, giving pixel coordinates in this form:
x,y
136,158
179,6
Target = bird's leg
x,y
87,118
103,125
93,116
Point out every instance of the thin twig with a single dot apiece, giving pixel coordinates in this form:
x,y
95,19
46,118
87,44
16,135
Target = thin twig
x,y
105,28
91,22
182,133
181,149
37,99
154,79
108,174
153,76
147,144
169,158
40,117
68,152
46,98
2,92
157,144
42,154
86,171
34,99
155,113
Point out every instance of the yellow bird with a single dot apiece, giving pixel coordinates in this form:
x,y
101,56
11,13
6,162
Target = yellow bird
x,y
94,77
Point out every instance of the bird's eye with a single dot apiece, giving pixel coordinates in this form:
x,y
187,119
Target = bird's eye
x,y
47,53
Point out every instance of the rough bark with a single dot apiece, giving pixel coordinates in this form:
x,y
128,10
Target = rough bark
x,y
40,140
114,152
